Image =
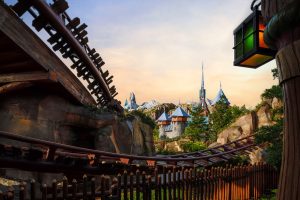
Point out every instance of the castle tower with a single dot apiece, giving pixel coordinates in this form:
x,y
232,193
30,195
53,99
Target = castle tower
x,y
163,122
220,97
202,96
179,122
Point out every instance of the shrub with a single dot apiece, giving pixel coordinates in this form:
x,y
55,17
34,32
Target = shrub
x,y
191,146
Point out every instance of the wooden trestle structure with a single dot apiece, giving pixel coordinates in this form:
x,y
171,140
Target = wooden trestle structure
x,y
139,177
45,156
21,62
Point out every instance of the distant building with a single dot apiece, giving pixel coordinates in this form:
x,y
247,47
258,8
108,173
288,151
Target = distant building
x,y
220,97
131,104
174,125
206,103
202,96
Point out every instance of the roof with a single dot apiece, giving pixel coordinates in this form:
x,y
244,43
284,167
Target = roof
x,y
164,117
179,112
219,96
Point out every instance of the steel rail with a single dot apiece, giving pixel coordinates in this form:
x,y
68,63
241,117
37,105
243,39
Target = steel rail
x,y
53,145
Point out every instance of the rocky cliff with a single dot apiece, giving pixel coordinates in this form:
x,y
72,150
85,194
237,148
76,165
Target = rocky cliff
x,y
247,124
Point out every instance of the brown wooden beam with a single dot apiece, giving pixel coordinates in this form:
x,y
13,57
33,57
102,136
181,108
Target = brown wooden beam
x,y
26,76
14,86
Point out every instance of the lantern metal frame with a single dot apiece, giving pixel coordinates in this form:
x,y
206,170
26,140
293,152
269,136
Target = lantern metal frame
x,y
257,49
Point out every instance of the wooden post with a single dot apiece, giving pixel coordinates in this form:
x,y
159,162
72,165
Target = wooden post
x,y
22,193
284,35
131,186
174,182
157,189
125,182
164,180
169,185
102,182
32,189
54,189
178,184
144,185
74,188
44,192
84,187
120,186
138,185
65,187
93,188
149,190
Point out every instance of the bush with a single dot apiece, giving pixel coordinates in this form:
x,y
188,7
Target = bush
x,y
272,136
144,118
274,91
191,146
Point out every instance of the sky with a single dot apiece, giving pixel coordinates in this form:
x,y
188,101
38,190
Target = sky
x,y
156,48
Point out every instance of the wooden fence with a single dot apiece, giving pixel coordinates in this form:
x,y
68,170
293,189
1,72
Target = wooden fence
x,y
232,182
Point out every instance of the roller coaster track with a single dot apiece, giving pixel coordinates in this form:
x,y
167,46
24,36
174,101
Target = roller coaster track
x,y
41,155
69,37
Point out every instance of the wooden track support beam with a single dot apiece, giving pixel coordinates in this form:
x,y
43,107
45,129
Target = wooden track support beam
x,y
26,76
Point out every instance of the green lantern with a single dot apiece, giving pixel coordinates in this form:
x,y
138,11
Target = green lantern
x,y
250,50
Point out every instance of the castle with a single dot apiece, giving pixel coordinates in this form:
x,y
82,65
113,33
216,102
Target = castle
x,y
174,125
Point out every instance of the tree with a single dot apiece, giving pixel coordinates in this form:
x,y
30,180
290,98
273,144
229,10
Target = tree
x,y
273,137
198,127
222,116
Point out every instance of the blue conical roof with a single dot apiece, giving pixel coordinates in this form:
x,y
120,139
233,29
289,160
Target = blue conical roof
x,y
219,96
163,117
179,112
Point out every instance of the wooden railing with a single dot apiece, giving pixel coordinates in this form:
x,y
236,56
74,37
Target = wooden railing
x,y
231,182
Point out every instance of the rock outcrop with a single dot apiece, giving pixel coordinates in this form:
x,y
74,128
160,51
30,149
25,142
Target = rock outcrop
x,y
247,124
41,115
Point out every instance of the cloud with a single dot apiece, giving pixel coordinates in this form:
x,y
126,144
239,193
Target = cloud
x,y
155,48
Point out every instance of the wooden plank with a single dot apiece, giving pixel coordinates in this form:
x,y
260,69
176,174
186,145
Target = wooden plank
x,y
27,76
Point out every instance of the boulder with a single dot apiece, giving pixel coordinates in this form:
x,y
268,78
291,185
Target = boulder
x,y
247,123
276,103
173,147
229,134
264,116
257,156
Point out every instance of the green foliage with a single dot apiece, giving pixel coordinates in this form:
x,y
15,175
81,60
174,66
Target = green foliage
x,y
191,146
197,129
156,133
274,91
222,117
144,118
275,73
272,136
271,196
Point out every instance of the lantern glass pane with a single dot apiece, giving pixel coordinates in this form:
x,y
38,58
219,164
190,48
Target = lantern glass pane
x,y
262,43
256,60
248,29
239,50
238,36
249,43
261,25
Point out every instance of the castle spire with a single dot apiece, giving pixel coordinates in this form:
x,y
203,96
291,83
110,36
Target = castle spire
x,y
202,83
202,94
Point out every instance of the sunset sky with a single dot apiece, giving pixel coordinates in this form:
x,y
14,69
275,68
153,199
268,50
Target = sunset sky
x,y
155,48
